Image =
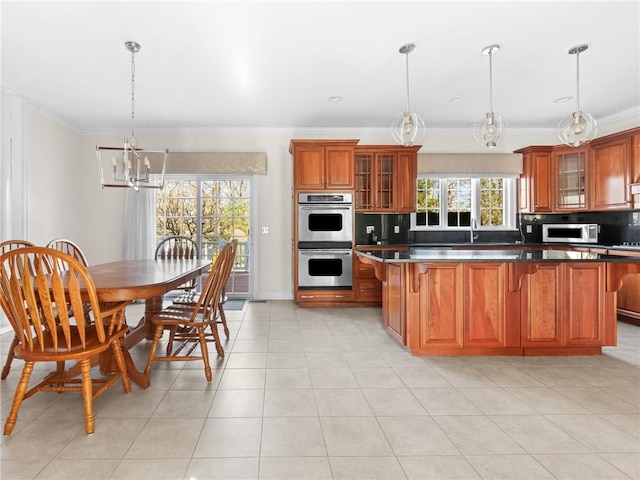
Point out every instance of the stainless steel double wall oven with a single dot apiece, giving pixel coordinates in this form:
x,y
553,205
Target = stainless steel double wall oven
x,y
325,239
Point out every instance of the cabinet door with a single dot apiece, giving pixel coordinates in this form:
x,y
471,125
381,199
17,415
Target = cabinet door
x,y
570,179
485,305
441,311
364,181
394,301
584,313
385,181
339,169
308,164
407,174
540,299
541,182
611,175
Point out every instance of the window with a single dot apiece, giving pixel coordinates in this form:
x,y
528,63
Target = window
x,y
212,211
450,203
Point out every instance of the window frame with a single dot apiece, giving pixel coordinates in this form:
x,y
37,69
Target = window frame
x,y
510,197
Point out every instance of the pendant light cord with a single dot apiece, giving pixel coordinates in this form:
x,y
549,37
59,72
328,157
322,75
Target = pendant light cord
x,y
407,69
578,81
491,81
133,95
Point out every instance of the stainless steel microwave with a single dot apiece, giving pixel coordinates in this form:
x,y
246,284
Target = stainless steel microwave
x,y
570,232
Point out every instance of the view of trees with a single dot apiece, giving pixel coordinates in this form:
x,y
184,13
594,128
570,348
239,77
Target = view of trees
x,y
210,211
460,201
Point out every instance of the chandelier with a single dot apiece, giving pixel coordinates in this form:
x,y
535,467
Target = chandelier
x,y
408,127
581,126
130,166
489,130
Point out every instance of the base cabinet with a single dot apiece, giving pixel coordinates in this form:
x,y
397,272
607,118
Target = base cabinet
x,y
471,308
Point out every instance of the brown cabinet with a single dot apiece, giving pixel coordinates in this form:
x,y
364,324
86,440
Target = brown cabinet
x,y
611,169
556,312
385,179
570,178
535,181
323,165
365,284
629,293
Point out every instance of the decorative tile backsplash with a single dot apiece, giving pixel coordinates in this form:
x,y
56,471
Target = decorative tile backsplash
x,y
615,228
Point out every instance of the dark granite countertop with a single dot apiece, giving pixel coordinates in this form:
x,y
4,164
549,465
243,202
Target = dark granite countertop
x,y
431,255
467,245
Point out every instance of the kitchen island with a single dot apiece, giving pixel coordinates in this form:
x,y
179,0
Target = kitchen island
x,y
500,302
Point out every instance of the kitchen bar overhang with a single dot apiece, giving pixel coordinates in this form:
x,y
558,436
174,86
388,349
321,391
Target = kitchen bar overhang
x,y
518,301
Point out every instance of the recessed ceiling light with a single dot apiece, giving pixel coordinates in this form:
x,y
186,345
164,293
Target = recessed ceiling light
x,y
457,98
562,99
334,98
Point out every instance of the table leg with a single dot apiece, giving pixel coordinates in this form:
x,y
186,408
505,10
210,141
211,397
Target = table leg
x,y
143,330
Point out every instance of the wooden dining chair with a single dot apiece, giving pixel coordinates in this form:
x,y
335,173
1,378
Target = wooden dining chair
x,y
70,248
7,246
42,306
196,326
189,300
179,247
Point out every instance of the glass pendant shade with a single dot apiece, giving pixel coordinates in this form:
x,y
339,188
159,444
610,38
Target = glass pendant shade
x,y
489,130
407,128
581,127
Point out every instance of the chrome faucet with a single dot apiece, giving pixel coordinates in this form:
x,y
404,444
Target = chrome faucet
x,y
472,233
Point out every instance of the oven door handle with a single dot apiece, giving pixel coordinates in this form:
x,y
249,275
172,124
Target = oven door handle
x,y
324,252
324,207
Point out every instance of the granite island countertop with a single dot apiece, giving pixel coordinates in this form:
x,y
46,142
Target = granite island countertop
x,y
430,255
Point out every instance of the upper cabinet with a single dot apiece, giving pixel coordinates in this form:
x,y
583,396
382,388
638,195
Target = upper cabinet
x,y
535,181
386,179
611,172
593,177
570,178
323,165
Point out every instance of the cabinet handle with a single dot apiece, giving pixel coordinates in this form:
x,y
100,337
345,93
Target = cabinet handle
x,y
307,296
341,296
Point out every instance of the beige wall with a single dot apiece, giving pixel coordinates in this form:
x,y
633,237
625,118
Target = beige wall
x,y
63,177
55,195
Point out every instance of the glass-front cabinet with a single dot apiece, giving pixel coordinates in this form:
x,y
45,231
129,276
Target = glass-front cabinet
x,y
386,179
570,169
375,187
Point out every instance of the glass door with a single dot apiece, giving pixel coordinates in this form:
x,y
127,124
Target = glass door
x,y
212,211
571,180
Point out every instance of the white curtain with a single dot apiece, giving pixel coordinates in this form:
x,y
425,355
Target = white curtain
x,y
139,224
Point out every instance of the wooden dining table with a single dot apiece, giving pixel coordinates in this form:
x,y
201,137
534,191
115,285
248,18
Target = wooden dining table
x,y
146,280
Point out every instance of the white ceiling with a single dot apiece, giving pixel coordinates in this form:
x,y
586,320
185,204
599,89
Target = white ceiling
x,y
217,64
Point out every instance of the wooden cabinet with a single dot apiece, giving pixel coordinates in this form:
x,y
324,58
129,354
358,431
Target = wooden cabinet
x,y
542,314
629,293
441,313
385,179
584,314
323,165
535,181
394,293
570,178
611,170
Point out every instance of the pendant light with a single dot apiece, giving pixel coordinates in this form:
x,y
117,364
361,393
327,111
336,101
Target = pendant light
x,y
489,130
408,127
133,167
581,126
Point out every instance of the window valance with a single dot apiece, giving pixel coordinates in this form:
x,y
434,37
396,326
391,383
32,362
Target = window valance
x,y
500,164
238,163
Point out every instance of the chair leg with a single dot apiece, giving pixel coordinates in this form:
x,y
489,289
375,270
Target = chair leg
x,y
172,335
223,320
204,350
10,356
87,395
157,335
216,337
21,390
117,354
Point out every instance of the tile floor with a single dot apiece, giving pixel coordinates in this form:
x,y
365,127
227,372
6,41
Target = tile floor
x,y
325,393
